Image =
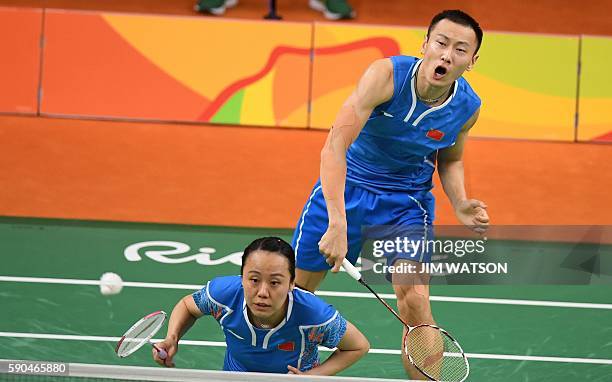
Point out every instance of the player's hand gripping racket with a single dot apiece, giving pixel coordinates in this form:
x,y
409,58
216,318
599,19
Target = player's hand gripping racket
x,y
141,333
434,352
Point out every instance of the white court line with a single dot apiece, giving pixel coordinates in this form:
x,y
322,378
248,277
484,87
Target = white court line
x,y
475,300
508,357
47,280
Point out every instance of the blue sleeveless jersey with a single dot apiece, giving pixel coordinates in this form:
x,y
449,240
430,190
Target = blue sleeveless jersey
x,y
398,146
310,322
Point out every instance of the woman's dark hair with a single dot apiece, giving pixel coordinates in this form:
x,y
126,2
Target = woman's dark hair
x,y
271,244
458,17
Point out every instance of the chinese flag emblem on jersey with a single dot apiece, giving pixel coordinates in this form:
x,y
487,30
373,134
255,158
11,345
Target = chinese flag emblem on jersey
x,y
436,135
287,346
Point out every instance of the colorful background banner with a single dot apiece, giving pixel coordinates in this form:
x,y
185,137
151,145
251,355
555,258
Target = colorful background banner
x,y
527,82
164,68
341,55
595,108
176,69
20,40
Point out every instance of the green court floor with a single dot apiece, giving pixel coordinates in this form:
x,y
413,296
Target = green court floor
x,y
67,319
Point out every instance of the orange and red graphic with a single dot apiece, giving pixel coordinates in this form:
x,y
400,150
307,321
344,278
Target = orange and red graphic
x,y
314,335
162,68
176,69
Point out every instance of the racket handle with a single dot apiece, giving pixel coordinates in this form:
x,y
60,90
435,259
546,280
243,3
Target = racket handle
x,y
351,270
161,353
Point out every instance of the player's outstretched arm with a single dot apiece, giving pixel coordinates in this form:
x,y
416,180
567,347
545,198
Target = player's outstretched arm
x,y
471,212
374,88
350,349
182,318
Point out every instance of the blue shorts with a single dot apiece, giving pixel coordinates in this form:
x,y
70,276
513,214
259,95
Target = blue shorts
x,y
364,210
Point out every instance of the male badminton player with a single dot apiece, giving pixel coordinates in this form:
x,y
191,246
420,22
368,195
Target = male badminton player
x,y
269,325
406,117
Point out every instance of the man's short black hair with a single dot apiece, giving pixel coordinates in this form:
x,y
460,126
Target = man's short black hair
x,y
460,18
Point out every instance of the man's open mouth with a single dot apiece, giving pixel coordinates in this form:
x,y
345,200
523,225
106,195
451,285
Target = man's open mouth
x,y
439,72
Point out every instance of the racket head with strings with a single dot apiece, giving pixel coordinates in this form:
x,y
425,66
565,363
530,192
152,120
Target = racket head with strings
x,y
431,349
435,353
140,333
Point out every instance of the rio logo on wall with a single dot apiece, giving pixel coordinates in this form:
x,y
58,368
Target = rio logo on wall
x,y
174,252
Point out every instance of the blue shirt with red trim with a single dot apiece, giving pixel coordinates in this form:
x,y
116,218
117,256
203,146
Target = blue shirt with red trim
x,y
310,322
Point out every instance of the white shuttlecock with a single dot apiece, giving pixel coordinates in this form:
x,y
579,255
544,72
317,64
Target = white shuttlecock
x,y
110,283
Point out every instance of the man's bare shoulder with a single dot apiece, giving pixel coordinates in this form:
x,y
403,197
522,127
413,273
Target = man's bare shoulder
x,y
377,82
472,121
383,68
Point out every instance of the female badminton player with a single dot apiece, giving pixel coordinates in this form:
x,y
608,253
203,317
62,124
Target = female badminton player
x,y
270,325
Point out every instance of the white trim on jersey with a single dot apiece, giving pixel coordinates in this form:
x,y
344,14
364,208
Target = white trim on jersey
x,y
283,322
273,330
413,106
303,345
424,224
414,97
229,310
427,161
297,242
299,289
426,112
234,334
246,319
